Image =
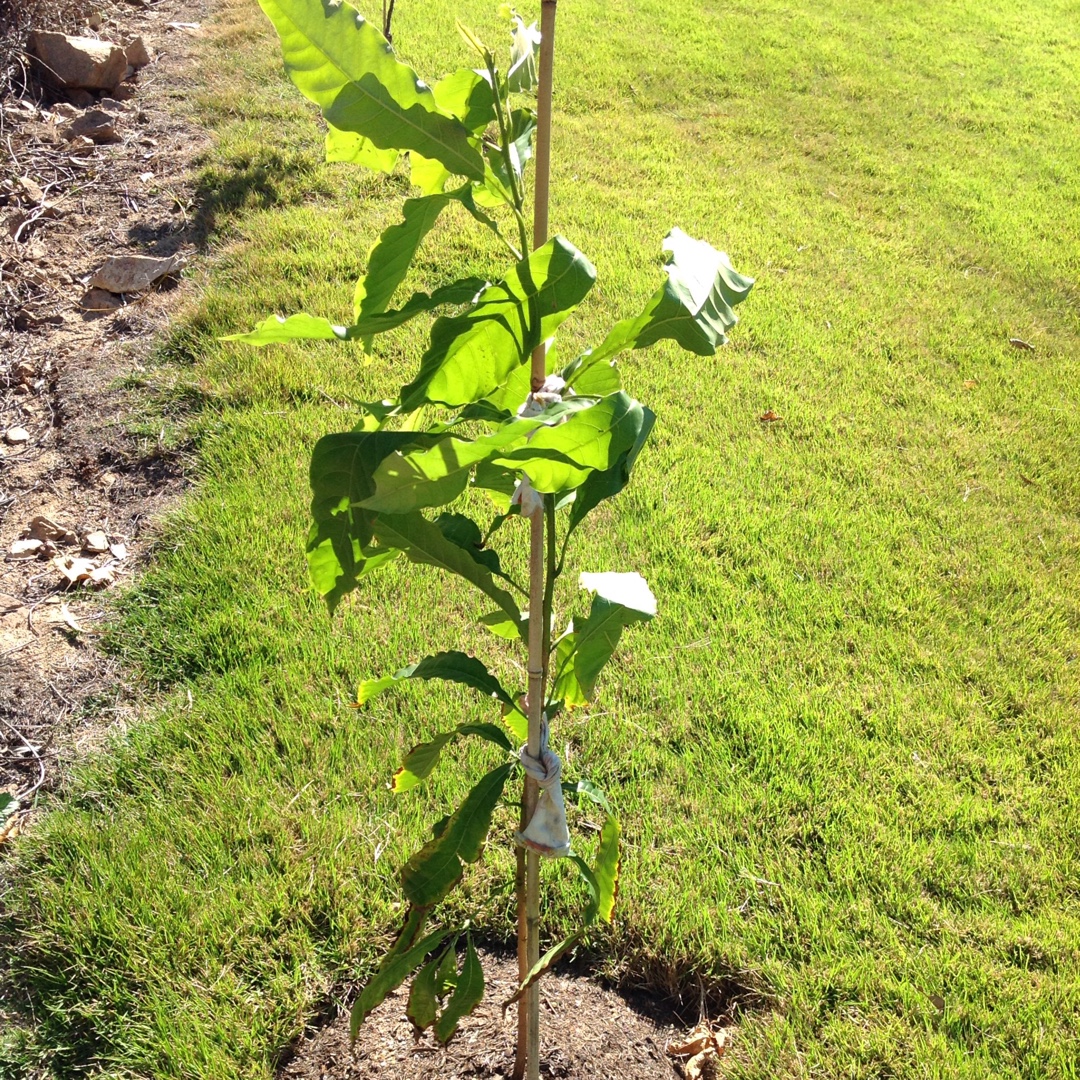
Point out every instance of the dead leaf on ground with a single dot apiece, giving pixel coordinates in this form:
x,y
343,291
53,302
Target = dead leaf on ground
x,y
970,384
103,575
77,570
1020,343
11,827
69,619
44,528
770,416
701,1047
118,550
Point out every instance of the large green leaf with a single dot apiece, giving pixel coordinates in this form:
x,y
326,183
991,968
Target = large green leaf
x,y
468,993
605,483
343,64
621,599
561,457
408,481
399,962
341,472
460,529
423,542
452,666
348,146
467,94
434,870
392,254
472,354
694,307
421,760
303,327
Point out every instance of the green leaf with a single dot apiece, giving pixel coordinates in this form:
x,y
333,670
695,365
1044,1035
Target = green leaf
x,y
343,64
348,146
605,483
594,438
450,666
472,354
580,656
592,886
341,472
554,954
392,254
446,979
396,967
524,56
694,307
422,759
8,805
313,328
468,993
423,542
463,531
522,130
501,625
409,481
467,95
545,963
423,1004
607,868
437,867
592,791
295,328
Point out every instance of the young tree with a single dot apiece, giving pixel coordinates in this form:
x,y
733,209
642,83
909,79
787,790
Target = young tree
x,y
489,409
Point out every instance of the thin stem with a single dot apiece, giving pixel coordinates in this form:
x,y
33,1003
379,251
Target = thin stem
x,y
502,110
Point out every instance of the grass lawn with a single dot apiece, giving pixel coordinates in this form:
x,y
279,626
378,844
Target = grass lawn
x,y
845,756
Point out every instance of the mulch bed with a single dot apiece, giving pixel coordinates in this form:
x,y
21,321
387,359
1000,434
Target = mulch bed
x,y
587,1033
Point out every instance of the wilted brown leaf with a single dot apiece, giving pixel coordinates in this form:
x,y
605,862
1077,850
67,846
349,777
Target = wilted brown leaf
x,y
770,416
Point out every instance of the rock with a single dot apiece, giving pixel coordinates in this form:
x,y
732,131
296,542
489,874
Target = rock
x,y
132,273
97,543
16,436
138,56
67,111
95,21
95,124
25,549
78,61
123,92
31,190
117,108
80,99
99,300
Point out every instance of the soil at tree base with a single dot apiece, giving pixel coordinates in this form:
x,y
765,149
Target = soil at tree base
x,y
587,1032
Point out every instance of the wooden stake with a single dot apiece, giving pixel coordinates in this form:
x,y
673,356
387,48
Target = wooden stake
x,y
527,1064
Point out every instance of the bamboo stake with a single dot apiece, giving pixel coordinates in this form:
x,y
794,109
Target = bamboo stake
x,y
528,1049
